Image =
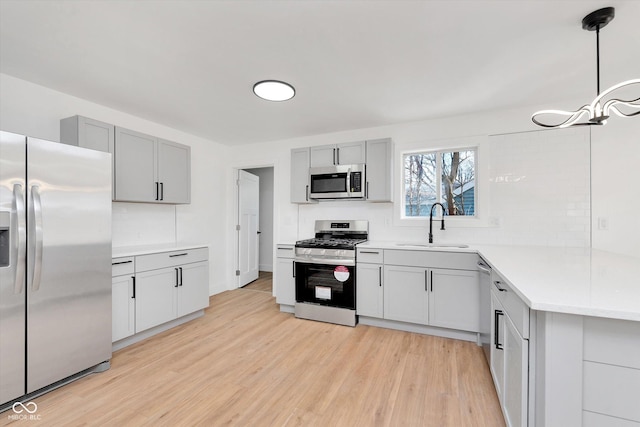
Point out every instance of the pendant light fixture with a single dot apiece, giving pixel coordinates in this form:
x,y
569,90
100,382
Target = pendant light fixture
x,y
599,110
274,90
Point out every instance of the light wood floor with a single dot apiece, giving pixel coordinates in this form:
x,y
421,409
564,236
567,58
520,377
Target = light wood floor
x,y
263,283
247,364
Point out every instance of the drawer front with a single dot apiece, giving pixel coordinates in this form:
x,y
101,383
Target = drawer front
x,y
591,419
370,255
450,260
611,341
515,308
611,390
170,259
122,266
285,251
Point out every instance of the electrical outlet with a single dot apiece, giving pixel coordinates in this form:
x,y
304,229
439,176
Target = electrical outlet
x,y
603,223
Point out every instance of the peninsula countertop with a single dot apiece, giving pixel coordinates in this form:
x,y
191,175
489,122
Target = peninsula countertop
x,y
579,281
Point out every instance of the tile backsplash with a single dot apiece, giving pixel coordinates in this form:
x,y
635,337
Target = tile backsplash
x,y
136,224
539,187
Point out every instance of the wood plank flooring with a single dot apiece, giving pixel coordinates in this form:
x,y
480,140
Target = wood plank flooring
x,y
247,364
263,283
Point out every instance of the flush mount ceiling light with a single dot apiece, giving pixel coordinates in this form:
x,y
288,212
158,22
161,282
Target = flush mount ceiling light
x,y
274,90
600,108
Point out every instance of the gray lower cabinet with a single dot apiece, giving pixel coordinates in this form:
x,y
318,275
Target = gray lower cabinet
x,y
406,296
123,306
168,293
454,299
510,352
285,275
152,289
369,290
418,292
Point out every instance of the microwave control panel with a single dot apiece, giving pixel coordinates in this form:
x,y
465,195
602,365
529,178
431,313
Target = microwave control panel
x,y
356,182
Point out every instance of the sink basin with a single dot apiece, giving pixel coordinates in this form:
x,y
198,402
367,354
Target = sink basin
x,y
434,245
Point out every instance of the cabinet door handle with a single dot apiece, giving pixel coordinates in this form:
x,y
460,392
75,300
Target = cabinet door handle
x,y
380,275
180,275
177,278
162,191
306,193
334,156
496,329
134,287
366,190
497,284
175,255
431,280
121,262
157,190
337,156
426,281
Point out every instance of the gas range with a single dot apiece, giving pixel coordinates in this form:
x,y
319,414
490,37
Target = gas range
x,y
326,273
333,240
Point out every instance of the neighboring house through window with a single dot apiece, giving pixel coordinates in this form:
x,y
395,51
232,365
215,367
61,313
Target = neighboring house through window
x,y
445,176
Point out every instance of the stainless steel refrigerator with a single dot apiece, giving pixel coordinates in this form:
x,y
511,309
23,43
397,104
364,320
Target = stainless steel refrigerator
x,y
55,263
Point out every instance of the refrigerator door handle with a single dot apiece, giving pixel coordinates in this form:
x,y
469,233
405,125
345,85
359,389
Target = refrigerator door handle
x,y
20,247
37,231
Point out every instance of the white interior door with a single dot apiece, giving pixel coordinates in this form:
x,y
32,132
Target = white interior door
x,y
248,220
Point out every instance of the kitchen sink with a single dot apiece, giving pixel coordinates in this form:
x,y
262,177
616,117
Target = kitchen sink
x,y
434,245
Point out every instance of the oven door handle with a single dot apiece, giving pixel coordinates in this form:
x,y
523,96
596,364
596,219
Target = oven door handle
x,y
327,261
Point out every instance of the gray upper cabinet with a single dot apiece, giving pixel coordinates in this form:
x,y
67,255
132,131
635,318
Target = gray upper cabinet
x,y
87,133
300,176
339,154
174,172
379,170
144,168
136,167
149,169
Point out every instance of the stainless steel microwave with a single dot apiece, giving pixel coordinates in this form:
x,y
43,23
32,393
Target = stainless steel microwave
x,y
337,182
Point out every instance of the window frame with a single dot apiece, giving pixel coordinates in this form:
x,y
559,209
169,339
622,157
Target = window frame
x,y
439,183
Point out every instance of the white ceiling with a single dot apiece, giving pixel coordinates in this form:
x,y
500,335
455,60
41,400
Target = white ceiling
x,y
191,64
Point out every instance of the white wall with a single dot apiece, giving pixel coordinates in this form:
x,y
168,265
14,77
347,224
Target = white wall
x,y
567,227
33,110
615,168
265,225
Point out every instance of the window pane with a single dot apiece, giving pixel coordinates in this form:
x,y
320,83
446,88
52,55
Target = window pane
x,y
419,183
458,182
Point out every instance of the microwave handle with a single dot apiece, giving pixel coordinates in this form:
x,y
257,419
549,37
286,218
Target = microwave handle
x,y
349,182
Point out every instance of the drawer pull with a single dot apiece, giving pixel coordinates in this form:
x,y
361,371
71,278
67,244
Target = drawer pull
x,y
121,262
370,252
175,255
285,249
497,284
496,329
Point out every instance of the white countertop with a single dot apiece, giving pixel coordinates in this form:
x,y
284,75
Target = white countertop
x,y
564,280
149,249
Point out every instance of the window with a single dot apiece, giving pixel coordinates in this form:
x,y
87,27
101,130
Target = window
x,y
447,177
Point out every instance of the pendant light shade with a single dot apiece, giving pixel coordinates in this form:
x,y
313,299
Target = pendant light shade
x,y
622,99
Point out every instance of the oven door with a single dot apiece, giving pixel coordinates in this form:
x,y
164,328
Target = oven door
x,y
326,284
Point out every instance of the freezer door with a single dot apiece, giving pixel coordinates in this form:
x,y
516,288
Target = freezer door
x,y
12,266
69,261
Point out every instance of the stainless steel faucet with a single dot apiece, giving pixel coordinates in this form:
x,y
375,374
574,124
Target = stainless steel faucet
x,y
431,220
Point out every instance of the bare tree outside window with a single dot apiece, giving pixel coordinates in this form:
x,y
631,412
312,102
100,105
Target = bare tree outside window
x,y
445,177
